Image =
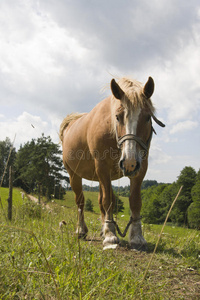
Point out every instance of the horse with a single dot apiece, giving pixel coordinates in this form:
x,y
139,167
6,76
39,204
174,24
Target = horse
x,y
109,142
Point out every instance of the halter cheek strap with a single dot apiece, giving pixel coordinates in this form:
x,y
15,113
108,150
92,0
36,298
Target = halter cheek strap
x,y
133,137
154,117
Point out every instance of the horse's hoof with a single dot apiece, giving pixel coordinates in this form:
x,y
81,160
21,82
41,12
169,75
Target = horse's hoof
x,y
82,232
139,247
110,246
110,242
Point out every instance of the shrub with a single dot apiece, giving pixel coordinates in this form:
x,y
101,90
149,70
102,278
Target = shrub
x,y
89,206
32,210
194,215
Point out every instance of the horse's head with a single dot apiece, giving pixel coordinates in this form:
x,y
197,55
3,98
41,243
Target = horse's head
x,y
133,122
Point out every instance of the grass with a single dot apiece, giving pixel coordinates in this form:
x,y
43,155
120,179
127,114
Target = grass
x,y
93,196
17,197
41,260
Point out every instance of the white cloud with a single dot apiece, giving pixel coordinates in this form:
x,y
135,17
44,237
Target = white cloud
x,y
57,55
178,88
158,156
183,126
39,59
25,126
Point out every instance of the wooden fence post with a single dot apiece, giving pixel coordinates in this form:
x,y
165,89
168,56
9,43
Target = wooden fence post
x,y
10,195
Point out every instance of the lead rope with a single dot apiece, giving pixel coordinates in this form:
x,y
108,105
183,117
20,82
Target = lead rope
x,y
127,226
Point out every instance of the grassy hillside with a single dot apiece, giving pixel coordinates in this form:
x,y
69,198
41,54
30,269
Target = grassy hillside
x,y
17,197
69,202
40,259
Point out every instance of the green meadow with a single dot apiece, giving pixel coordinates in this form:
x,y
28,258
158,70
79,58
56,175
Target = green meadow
x,y
41,257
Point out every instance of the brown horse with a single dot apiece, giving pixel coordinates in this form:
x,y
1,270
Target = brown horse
x,y
109,142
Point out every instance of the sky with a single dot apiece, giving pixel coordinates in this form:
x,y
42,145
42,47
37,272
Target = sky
x,y
56,57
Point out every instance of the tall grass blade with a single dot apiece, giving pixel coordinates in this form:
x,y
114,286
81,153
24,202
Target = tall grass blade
x,y
145,274
42,251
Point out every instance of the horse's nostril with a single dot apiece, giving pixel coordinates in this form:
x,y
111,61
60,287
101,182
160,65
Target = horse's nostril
x,y
121,164
137,166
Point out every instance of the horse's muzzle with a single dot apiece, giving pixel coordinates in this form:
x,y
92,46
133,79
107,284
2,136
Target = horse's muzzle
x,y
129,168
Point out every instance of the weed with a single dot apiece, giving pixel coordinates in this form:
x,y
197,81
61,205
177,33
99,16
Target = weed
x,y
42,260
31,210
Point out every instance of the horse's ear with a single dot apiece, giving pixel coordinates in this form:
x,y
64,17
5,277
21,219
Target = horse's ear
x,y
116,90
149,88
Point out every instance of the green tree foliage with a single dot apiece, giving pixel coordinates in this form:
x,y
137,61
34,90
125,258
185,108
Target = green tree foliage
x,y
195,192
89,188
122,190
152,207
194,208
166,198
158,199
5,147
147,183
39,167
186,179
89,205
194,215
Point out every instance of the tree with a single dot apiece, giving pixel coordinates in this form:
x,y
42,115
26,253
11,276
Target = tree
x,y
151,207
5,147
166,198
39,167
194,208
195,192
147,183
194,215
187,179
89,206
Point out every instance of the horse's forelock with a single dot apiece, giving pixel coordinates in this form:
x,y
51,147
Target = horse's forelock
x,y
134,96
133,91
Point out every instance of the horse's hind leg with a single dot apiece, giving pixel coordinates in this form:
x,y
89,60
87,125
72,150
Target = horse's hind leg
x,y
101,207
76,184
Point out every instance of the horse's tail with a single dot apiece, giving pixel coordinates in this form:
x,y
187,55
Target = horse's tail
x,y
66,121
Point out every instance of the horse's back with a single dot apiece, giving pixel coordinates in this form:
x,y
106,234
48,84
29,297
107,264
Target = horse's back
x,y
87,137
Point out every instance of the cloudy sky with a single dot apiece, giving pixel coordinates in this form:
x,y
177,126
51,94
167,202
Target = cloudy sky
x,y
57,55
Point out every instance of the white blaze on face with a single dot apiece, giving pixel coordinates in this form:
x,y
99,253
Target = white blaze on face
x,y
129,149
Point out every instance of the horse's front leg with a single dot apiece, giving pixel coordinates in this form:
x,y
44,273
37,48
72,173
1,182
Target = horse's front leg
x,y
136,238
107,203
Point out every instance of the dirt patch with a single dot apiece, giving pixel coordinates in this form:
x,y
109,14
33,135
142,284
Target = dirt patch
x,y
34,199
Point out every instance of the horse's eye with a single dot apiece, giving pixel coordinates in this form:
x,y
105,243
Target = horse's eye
x,y
117,118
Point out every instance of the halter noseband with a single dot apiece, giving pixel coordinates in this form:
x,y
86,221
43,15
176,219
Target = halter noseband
x,y
133,137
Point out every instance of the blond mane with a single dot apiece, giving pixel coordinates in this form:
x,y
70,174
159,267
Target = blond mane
x,y
69,118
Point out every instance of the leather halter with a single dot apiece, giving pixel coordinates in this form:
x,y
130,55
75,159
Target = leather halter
x,y
133,137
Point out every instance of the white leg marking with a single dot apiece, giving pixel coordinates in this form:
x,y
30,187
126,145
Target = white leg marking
x,y
110,238
81,227
136,238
